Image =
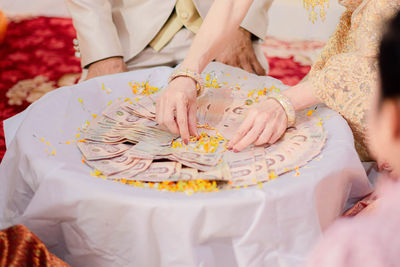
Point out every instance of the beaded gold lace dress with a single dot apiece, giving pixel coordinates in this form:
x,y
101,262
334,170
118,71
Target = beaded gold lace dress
x,y
345,74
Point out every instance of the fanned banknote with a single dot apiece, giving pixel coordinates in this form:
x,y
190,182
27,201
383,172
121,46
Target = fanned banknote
x,y
125,142
95,151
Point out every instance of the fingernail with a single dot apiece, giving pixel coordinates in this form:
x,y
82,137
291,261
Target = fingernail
x,y
235,150
186,141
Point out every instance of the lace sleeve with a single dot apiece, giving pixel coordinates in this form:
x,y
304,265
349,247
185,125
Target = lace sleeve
x,y
345,75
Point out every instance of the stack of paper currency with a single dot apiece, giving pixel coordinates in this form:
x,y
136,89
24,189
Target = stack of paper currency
x,y
125,142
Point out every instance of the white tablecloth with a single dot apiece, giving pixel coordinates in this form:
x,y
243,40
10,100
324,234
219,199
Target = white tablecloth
x,y
88,221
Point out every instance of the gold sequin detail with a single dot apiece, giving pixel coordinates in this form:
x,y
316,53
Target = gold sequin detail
x,y
313,6
345,74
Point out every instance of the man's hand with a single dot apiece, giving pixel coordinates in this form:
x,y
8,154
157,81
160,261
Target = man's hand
x,y
106,66
240,53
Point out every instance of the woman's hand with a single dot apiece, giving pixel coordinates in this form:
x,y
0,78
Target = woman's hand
x,y
265,123
176,108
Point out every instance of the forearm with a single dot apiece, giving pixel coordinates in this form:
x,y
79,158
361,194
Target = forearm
x,y
301,96
222,20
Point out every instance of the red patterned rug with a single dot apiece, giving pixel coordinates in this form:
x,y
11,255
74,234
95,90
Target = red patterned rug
x,y
40,46
37,56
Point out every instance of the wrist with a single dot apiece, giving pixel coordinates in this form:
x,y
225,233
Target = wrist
x,y
289,98
287,106
301,96
196,61
245,32
110,60
187,81
191,64
188,73
105,67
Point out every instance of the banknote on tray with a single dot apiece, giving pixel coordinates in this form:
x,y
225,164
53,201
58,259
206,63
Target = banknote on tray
x,y
125,142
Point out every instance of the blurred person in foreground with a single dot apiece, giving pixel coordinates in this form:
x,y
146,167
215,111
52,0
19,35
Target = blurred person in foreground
x,y
372,239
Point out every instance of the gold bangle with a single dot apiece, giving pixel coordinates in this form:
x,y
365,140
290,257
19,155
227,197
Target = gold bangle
x,y
191,74
284,101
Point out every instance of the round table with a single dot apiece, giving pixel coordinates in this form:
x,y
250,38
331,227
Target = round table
x,y
88,221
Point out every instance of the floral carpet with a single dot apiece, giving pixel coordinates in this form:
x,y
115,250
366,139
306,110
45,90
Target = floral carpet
x,y
37,56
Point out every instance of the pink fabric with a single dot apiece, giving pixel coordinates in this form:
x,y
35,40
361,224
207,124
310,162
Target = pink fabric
x,y
368,240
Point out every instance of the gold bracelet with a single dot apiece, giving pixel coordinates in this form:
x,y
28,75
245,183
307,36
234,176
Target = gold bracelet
x,y
286,105
191,74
